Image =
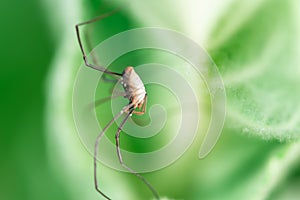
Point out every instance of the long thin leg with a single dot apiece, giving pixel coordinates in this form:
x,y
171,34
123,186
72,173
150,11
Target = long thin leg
x,y
121,159
98,102
101,101
94,58
87,35
99,68
96,148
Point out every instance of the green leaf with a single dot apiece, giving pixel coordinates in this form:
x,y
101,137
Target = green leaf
x,y
259,61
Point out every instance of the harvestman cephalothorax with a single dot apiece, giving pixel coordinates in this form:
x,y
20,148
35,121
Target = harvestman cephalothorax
x,y
134,91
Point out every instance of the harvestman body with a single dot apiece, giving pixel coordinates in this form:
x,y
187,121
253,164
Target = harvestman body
x,y
136,94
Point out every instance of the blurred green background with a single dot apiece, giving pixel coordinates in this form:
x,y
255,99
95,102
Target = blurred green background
x,y
248,163
27,49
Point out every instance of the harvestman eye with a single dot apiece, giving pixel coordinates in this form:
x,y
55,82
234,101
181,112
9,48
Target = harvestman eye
x,y
134,91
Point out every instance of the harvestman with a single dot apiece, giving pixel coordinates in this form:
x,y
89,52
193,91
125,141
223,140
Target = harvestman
x,y
136,94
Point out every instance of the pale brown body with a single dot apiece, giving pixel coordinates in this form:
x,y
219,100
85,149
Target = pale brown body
x,y
134,90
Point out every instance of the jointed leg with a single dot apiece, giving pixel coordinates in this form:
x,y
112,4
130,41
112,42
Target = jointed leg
x,y
122,162
94,58
96,149
103,100
99,68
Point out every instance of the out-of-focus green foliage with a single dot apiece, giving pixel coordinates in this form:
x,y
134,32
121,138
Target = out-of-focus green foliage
x,y
26,51
260,66
255,45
